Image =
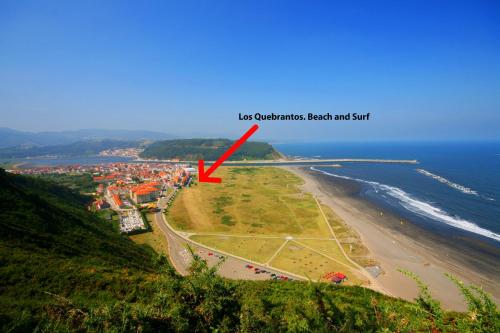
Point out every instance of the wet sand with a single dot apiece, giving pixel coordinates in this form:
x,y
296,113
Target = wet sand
x,y
405,245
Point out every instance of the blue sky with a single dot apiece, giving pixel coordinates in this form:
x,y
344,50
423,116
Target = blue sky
x,y
423,69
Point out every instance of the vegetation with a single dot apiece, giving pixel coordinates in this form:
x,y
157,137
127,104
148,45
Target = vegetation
x,y
80,148
154,237
50,244
64,269
7,164
264,202
260,201
81,183
255,249
348,238
208,149
304,261
14,138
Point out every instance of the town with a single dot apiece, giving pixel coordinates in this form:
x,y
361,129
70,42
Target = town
x,y
127,189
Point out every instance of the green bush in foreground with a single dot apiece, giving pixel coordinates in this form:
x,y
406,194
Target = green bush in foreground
x,y
204,302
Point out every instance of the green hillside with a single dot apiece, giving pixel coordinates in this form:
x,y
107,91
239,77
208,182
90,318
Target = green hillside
x,y
50,244
63,269
208,149
79,148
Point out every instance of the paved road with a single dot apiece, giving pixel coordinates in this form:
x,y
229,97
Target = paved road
x,y
232,268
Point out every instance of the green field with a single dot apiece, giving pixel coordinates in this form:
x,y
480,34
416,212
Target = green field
x,y
328,248
255,249
254,204
303,261
250,200
154,238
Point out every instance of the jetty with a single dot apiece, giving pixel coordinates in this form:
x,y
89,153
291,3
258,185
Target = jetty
x,y
319,160
296,162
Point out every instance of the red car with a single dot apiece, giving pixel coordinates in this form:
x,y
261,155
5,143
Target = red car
x,y
335,280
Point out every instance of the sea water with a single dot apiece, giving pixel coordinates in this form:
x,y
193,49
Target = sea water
x,y
454,189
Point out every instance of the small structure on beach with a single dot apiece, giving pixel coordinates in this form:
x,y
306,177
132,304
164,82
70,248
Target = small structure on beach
x,y
335,277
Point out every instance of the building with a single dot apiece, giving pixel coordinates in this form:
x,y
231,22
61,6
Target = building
x,y
118,201
145,192
105,179
101,204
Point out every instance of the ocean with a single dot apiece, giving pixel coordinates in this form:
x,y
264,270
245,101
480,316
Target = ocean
x,y
453,191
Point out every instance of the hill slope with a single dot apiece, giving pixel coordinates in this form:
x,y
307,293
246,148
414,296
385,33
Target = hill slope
x,y
49,243
79,148
11,138
63,269
208,149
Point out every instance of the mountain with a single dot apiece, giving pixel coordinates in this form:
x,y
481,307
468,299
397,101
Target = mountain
x,y
12,138
208,149
79,148
63,269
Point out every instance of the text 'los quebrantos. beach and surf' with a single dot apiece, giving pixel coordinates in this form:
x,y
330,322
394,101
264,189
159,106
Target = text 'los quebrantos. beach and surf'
x,y
304,117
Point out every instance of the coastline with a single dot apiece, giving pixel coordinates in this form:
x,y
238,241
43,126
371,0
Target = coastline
x,y
395,244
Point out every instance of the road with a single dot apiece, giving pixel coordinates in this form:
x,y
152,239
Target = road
x,y
233,267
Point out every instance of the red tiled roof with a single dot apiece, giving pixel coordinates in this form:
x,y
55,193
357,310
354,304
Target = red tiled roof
x,y
117,200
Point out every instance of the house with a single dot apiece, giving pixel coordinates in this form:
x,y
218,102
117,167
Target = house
x,y
145,192
118,201
101,204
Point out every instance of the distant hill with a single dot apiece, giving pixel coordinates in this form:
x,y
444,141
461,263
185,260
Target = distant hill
x,y
208,149
80,148
11,138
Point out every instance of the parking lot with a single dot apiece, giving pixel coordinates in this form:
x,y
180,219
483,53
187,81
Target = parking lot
x,y
131,220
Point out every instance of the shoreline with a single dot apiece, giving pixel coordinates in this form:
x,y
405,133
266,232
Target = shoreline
x,y
395,244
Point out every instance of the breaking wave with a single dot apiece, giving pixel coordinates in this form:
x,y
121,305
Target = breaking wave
x,y
443,180
422,208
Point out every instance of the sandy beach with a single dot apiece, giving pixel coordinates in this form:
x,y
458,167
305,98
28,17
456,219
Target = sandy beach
x,y
397,244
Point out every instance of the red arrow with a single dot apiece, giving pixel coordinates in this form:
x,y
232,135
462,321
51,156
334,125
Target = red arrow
x,y
204,176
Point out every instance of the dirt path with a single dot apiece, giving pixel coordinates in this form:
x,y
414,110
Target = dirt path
x,y
233,267
374,284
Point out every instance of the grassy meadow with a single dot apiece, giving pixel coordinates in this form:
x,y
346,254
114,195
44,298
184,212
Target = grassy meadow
x,y
255,249
254,204
154,238
304,261
250,200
